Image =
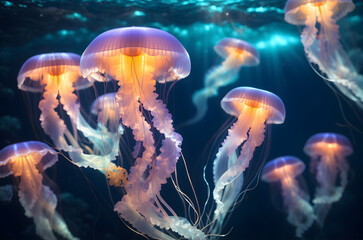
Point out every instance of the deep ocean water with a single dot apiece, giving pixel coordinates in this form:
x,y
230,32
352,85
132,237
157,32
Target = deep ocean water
x,y
312,105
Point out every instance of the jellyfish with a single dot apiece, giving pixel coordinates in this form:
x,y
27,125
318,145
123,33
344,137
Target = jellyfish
x,y
328,152
27,160
285,170
320,38
254,109
237,53
58,74
106,110
138,57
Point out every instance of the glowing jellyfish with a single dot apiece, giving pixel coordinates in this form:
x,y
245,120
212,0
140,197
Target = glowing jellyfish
x,y
58,74
138,57
27,160
237,53
328,152
254,109
320,38
105,107
285,170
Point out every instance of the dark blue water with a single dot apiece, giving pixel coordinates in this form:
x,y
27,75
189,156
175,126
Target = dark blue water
x,y
28,28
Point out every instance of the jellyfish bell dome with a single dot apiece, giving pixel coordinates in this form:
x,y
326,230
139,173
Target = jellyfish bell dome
x,y
228,46
8,155
171,60
279,168
238,98
39,67
325,142
36,68
106,101
296,11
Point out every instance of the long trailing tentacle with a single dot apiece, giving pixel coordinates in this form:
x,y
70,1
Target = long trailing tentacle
x,y
233,177
51,123
104,143
300,212
309,33
215,78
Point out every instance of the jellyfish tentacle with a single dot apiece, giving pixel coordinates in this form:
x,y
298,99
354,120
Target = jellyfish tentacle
x,y
31,180
329,32
134,202
300,212
46,218
51,123
236,53
104,143
164,165
132,117
255,139
170,149
325,49
69,99
327,172
230,193
309,33
70,104
343,167
183,226
215,78
237,134
127,210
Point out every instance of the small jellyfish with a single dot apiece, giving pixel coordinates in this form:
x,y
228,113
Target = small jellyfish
x,y
320,38
237,53
137,58
27,160
107,112
254,109
108,120
285,170
328,152
58,74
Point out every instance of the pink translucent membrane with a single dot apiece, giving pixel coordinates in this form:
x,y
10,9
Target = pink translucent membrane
x,y
294,16
52,64
328,138
225,45
134,41
49,156
246,95
295,166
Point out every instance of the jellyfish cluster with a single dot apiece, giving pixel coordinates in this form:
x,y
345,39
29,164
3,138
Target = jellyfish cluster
x,y
328,167
138,60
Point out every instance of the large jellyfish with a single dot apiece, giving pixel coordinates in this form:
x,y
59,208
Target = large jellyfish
x,y
284,170
328,152
237,53
138,57
320,38
254,109
27,160
58,74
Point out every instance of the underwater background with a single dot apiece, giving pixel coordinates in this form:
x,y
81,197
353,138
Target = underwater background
x,y
34,27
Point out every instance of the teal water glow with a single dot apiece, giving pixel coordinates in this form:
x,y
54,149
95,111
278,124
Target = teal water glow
x,y
76,15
